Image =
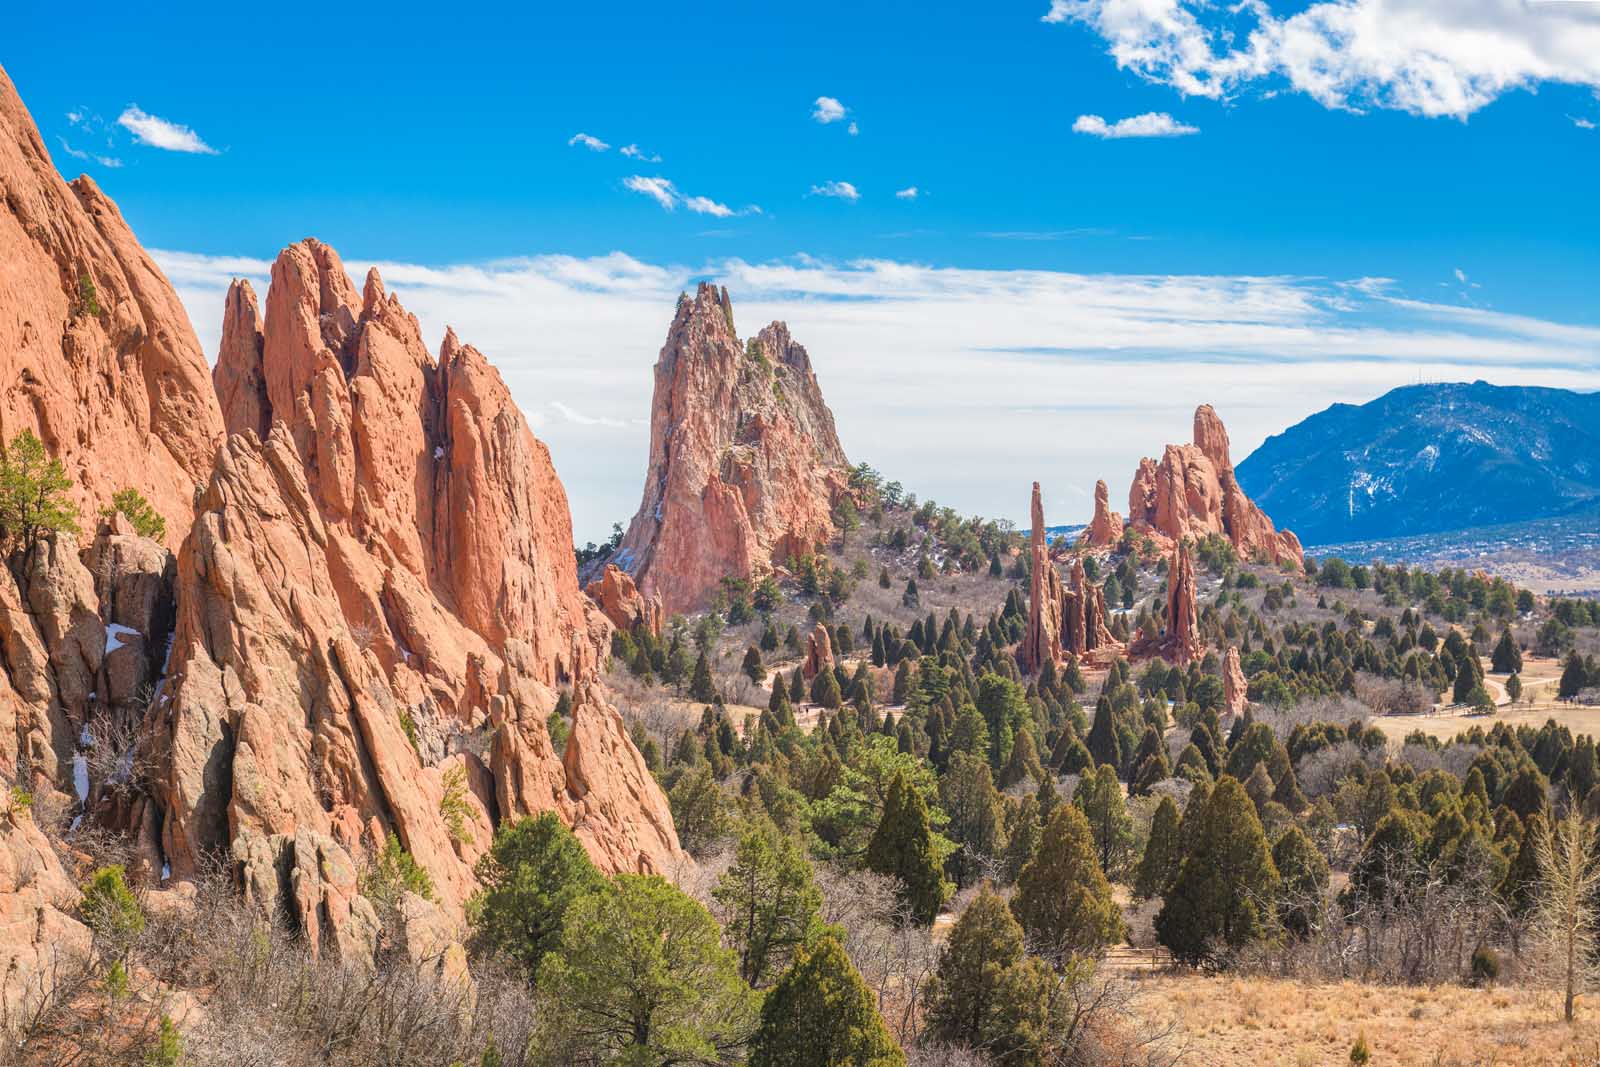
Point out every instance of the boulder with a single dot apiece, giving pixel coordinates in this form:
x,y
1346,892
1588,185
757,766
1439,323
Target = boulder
x,y
819,652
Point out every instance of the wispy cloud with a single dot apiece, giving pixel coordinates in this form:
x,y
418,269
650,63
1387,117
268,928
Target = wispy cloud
x,y
78,153
1425,57
837,190
158,132
663,192
827,109
1582,123
853,129
593,144
633,151
1046,235
910,192
1150,124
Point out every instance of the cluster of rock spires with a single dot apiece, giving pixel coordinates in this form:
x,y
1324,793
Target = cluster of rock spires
x,y
373,593
1062,620
1190,493
745,464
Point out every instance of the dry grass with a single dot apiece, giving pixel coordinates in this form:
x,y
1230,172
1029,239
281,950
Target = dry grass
x,y
1230,1020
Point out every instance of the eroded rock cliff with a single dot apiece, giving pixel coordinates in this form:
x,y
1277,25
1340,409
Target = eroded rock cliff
x,y
745,464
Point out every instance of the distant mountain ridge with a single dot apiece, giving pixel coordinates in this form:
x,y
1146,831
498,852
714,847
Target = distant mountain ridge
x,y
1430,458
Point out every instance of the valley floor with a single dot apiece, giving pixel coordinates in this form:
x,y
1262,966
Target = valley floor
x,y
1271,1021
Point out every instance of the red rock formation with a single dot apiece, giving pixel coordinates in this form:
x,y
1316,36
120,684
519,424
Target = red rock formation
x,y
1084,631
745,465
1234,686
1182,638
39,937
95,349
1042,641
1192,492
384,579
622,603
819,652
1106,527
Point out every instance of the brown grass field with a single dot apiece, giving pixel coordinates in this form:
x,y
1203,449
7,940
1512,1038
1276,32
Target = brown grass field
x,y
1270,1021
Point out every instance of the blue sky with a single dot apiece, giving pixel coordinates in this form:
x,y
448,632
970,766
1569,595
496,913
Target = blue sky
x,y
1450,149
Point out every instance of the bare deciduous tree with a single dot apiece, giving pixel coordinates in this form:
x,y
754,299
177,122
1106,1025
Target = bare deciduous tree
x,y
1568,878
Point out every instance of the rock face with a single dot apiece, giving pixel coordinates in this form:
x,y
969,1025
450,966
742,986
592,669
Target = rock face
x,y
37,903
1042,641
819,652
1105,528
1181,641
621,602
368,592
1084,631
745,464
1192,492
1234,686
95,348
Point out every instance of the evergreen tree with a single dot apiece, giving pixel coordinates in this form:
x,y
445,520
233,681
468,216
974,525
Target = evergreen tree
x,y
1162,853
825,690
986,993
1102,735
1023,765
1304,871
821,1014
1063,900
752,666
1226,878
529,877
1023,840
903,845
1099,797
701,687
968,796
769,902
1574,677
1507,657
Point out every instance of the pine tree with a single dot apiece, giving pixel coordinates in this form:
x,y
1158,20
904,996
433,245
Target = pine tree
x,y
769,902
986,993
752,666
1063,900
1023,765
968,796
821,1014
903,846
1162,853
1103,736
1519,890
531,874
1023,840
1099,797
701,687
1226,877
1574,677
1304,888
825,690
1506,657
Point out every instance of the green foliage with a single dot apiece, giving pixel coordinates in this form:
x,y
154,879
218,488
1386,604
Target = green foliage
x,y
1225,883
1063,900
1162,853
168,1049
530,877
1099,797
109,908
821,1014
1304,887
701,687
769,902
147,521
392,874
641,978
454,808
1360,1053
905,846
408,726
88,296
698,810
986,993
34,504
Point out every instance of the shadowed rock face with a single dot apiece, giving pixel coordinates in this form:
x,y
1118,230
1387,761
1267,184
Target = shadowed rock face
x,y
369,589
1042,641
1192,492
745,464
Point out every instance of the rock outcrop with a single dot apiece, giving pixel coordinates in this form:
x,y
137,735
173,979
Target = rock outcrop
x,y
1235,689
1192,492
1042,640
95,349
745,464
1084,631
39,936
621,602
819,652
368,593
1105,528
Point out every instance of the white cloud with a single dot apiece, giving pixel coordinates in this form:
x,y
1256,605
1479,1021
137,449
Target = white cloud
x,y
703,205
1583,124
633,151
1461,275
1150,124
838,190
910,192
904,351
1426,57
78,153
827,110
593,144
853,129
157,132
658,189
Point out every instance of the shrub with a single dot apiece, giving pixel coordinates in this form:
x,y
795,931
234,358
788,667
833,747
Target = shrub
x,y
33,495
1485,965
147,521
392,874
109,907
88,296
454,807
